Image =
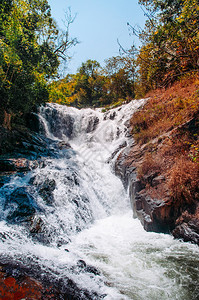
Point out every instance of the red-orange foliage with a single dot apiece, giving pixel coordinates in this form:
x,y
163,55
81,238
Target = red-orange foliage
x,y
166,109
184,181
168,130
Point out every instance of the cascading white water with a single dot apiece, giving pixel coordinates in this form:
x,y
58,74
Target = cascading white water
x,y
87,217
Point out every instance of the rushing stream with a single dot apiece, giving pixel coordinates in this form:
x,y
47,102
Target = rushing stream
x,y
81,224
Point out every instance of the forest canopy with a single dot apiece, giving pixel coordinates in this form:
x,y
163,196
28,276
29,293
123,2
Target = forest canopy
x,y
169,49
93,85
170,42
31,46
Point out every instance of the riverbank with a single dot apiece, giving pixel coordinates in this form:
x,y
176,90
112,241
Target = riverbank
x,y
162,166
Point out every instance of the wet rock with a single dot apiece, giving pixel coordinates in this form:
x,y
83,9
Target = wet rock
x,y
18,165
4,178
93,121
21,205
46,190
29,281
187,227
36,224
188,232
33,122
121,146
59,124
7,165
20,141
93,270
73,178
110,115
81,264
64,145
83,267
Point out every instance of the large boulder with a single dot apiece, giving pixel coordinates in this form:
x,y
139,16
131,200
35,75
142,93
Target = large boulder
x,y
20,205
46,189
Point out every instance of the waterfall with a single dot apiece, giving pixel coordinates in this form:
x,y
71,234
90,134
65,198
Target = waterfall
x,y
71,216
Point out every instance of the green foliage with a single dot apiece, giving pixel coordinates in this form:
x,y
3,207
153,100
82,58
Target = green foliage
x,y
170,42
120,71
30,47
94,86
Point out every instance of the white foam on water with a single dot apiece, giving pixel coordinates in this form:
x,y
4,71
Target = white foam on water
x,y
90,218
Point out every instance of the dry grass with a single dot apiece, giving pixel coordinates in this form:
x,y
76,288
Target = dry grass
x,y
148,168
184,181
166,109
171,116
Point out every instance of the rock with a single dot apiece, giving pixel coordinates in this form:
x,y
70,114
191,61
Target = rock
x,y
59,124
187,227
33,122
4,178
110,115
124,144
19,165
29,281
83,267
156,214
21,205
157,180
81,264
23,143
64,145
46,189
93,270
36,224
93,121
188,232
149,178
7,165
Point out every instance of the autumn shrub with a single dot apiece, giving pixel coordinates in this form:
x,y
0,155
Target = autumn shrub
x,y
148,169
166,109
184,181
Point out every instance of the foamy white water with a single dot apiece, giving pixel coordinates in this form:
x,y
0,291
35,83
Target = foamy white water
x,y
89,220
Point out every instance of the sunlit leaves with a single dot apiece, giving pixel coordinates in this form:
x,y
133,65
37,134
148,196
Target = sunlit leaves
x,y
27,53
172,34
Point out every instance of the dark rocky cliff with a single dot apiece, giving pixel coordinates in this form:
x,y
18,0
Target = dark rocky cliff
x,y
156,210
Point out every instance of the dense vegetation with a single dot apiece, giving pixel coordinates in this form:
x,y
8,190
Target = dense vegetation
x,y
170,49
94,86
30,50
32,46
170,42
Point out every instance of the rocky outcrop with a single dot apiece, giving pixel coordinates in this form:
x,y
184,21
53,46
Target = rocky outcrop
x,y
20,281
187,227
17,164
23,143
20,205
158,212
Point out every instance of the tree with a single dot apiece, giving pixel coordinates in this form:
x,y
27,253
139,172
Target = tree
x,y
121,73
89,83
31,46
171,40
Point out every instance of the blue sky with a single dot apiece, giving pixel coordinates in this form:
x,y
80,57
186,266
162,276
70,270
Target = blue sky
x,y
98,25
